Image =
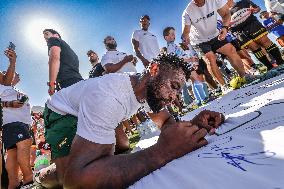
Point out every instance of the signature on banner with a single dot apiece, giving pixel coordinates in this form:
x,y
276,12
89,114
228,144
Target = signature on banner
x,y
235,159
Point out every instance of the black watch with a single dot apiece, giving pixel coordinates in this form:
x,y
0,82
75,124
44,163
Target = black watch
x,y
226,27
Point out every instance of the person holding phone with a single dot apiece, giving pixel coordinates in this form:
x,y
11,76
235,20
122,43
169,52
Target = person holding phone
x,y
15,133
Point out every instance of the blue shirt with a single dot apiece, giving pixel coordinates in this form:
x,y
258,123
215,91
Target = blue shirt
x,y
278,30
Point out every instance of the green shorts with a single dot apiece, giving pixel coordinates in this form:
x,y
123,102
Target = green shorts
x,y
60,131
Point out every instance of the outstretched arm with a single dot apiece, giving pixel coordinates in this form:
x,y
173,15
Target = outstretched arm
x,y
54,65
9,75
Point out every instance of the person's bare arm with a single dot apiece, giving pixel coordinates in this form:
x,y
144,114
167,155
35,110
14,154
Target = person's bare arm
x,y
255,8
97,168
135,45
185,33
9,75
224,12
160,118
54,64
112,68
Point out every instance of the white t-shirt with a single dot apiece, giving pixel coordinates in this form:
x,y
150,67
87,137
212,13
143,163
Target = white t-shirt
x,y
23,114
99,103
203,20
274,6
175,49
114,57
148,44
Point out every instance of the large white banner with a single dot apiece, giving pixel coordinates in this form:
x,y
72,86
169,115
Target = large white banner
x,y
247,152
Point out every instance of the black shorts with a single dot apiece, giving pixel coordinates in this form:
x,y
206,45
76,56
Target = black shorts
x,y
250,32
212,45
13,133
237,44
202,66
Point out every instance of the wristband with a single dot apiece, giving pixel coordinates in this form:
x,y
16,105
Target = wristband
x,y
51,83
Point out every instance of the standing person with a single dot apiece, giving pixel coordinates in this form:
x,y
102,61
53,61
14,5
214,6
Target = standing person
x,y
97,69
145,44
274,6
16,137
273,26
251,33
63,62
114,61
249,65
6,79
200,22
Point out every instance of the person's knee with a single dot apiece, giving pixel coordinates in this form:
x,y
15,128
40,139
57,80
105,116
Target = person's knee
x,y
210,59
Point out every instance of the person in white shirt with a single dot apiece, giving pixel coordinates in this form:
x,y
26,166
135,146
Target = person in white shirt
x,y
199,21
275,6
100,104
114,61
145,44
16,137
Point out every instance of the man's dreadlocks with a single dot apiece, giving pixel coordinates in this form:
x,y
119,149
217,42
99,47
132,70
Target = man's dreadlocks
x,y
174,62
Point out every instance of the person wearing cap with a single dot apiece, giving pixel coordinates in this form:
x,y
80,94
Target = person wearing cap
x,y
145,44
63,62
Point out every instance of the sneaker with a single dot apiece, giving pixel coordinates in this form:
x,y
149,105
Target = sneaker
x,y
27,185
248,78
253,71
216,92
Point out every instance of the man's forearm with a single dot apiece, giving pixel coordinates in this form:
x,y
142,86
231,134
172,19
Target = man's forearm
x,y
119,171
226,19
141,57
112,68
8,77
54,64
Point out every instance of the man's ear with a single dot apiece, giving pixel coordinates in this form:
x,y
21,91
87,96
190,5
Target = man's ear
x,y
154,69
166,38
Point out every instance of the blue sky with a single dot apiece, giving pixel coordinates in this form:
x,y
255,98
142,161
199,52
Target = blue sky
x,y
83,25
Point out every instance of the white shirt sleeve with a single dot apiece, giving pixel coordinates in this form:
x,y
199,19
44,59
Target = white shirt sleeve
x,y
170,48
106,59
186,19
135,35
220,3
97,118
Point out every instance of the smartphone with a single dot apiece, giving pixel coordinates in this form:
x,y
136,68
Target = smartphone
x,y
24,99
12,46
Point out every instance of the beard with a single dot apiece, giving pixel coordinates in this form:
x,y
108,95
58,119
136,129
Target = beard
x,y
111,46
153,98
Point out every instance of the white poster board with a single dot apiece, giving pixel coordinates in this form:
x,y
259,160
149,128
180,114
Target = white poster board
x,y
247,152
